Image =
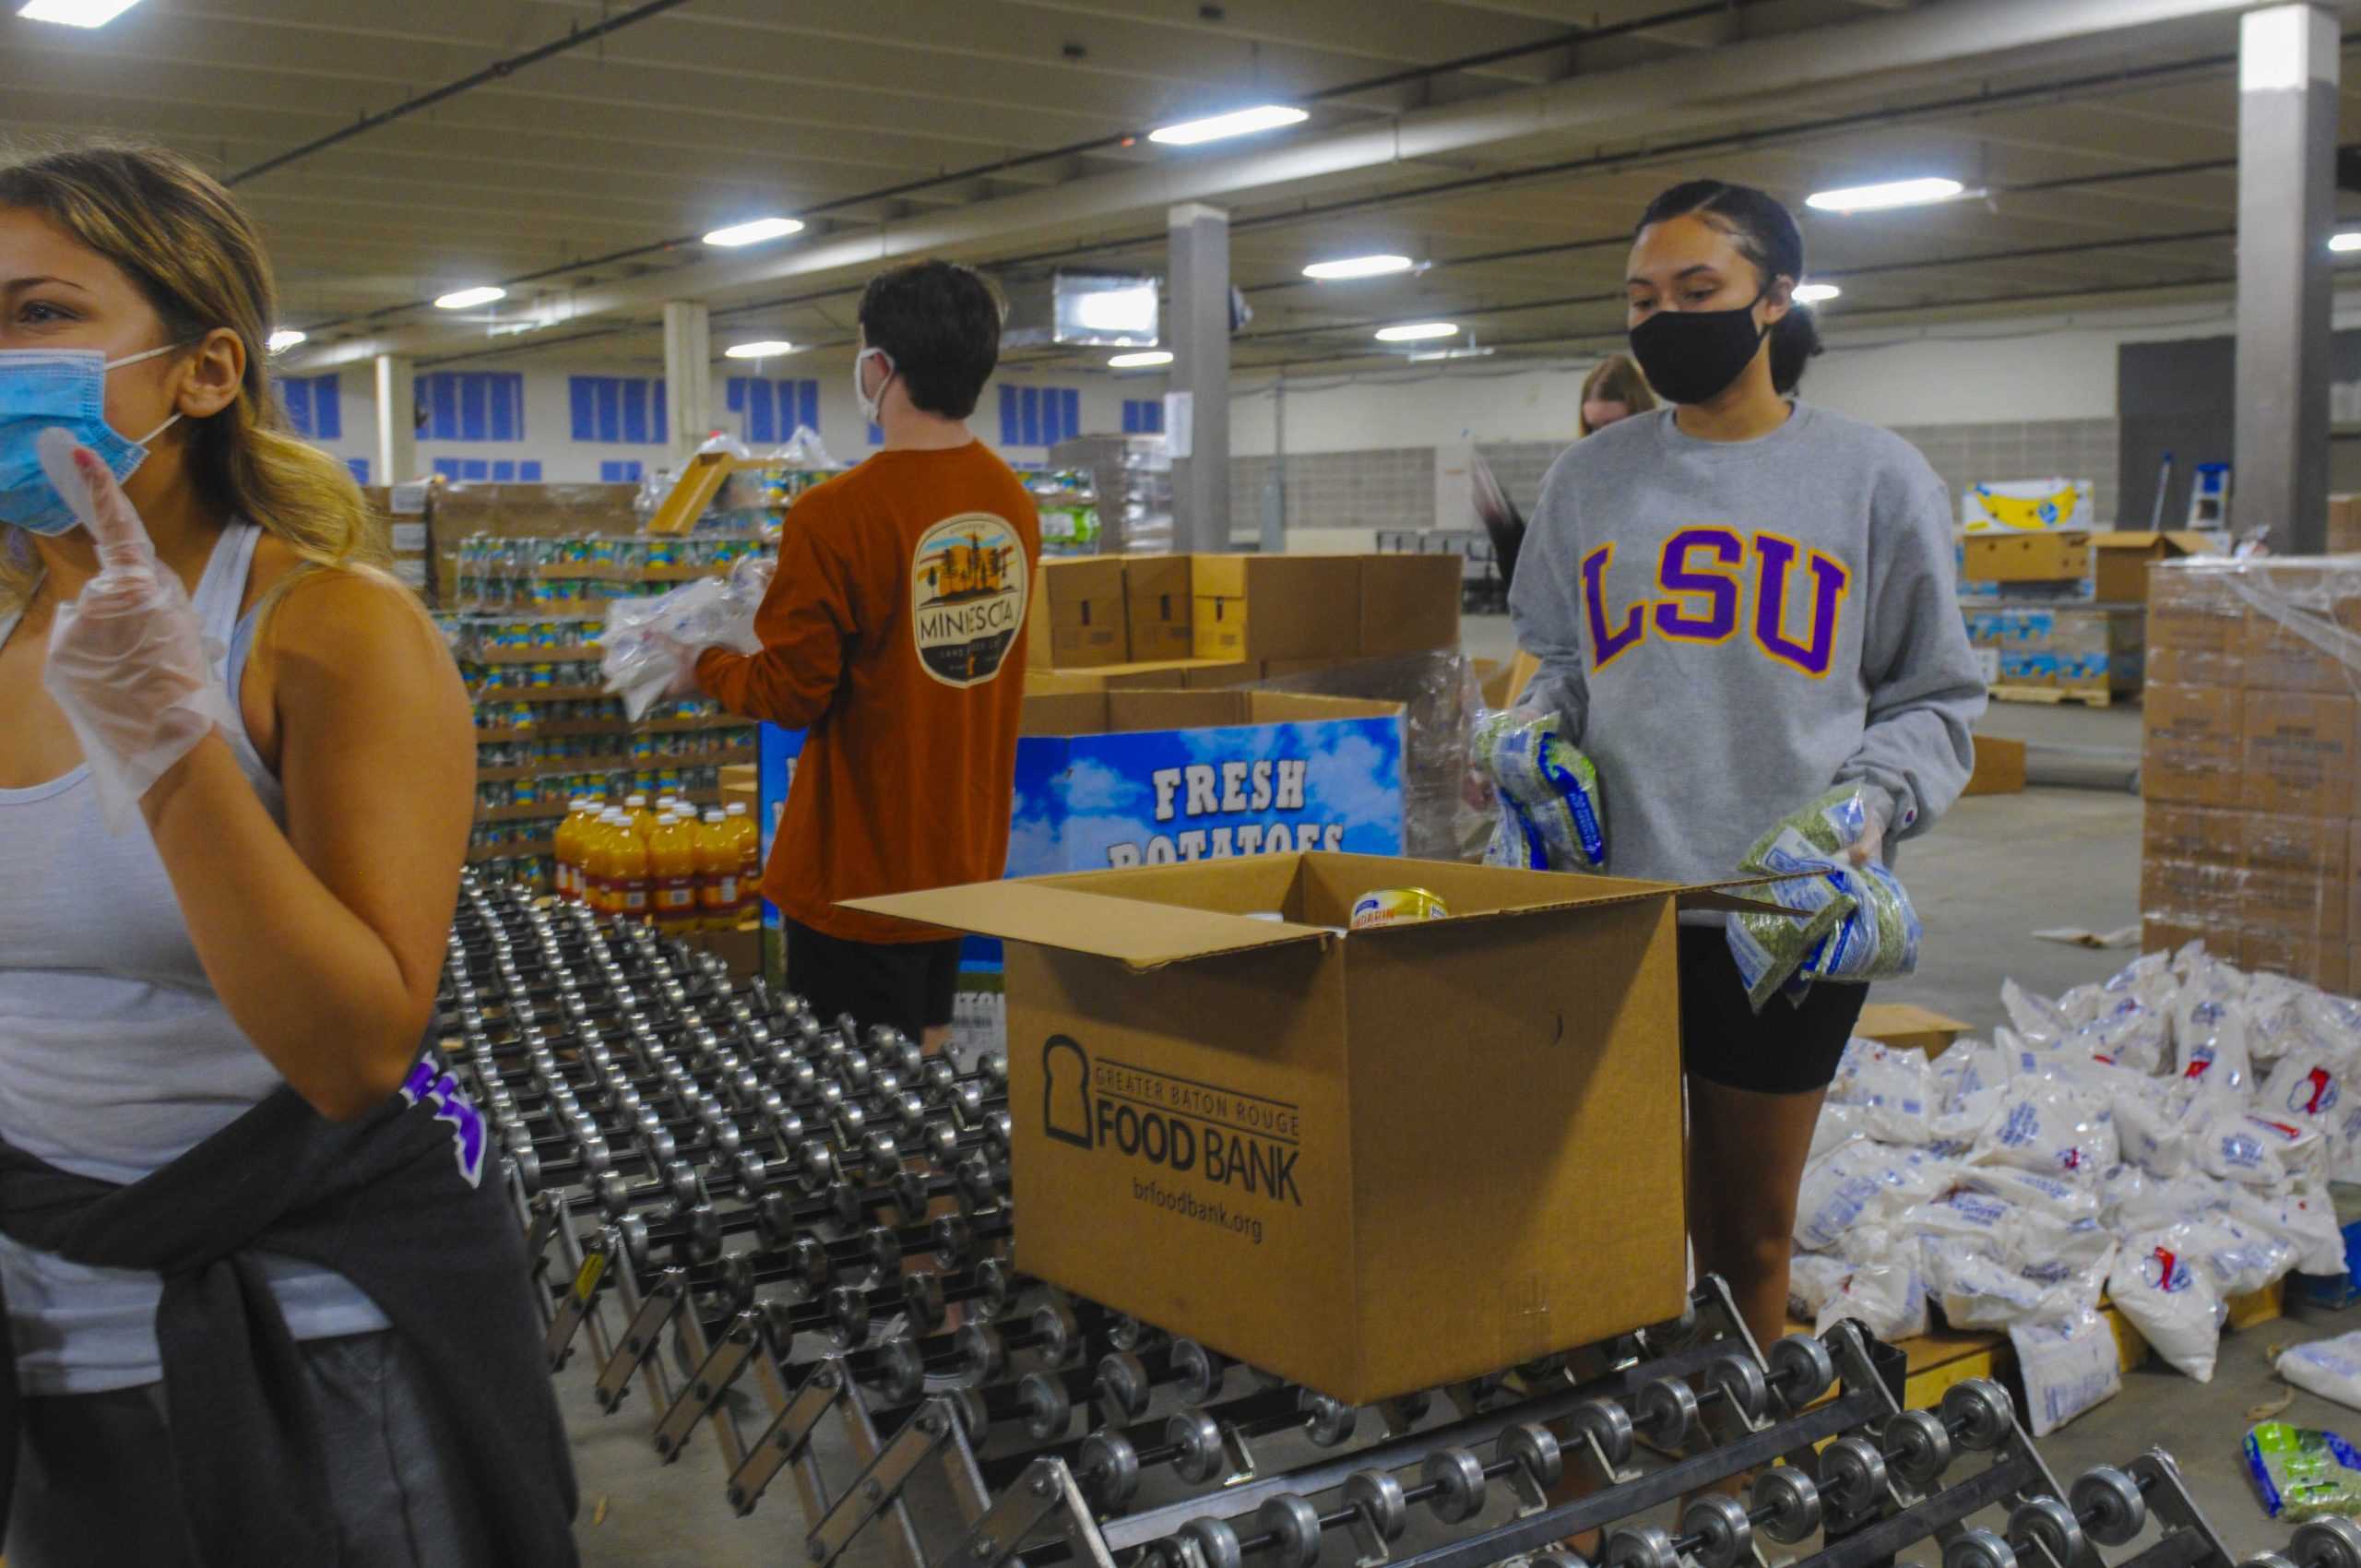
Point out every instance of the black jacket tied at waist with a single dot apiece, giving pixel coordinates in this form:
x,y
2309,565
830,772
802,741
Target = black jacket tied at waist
x,y
399,1204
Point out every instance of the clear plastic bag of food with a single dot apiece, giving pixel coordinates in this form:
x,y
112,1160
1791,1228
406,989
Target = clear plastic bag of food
x,y
650,644
1553,815
1856,922
2303,1473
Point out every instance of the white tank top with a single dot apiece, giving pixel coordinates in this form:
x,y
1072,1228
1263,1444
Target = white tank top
x,y
115,1056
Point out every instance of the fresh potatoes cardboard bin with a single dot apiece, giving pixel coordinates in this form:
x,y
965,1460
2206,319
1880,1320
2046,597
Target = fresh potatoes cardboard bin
x,y
1369,1163
1156,606
1077,614
1261,607
1148,675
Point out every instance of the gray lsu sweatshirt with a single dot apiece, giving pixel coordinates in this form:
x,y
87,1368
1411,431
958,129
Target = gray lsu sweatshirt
x,y
1729,629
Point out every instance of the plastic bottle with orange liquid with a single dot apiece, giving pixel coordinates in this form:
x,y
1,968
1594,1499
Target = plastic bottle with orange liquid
x,y
749,838
718,869
592,871
626,861
568,845
673,875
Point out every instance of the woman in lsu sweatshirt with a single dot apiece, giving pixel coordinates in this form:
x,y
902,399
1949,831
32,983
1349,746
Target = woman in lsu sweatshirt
x,y
1738,602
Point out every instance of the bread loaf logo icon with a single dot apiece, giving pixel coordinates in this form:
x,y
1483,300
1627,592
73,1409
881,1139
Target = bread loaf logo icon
x,y
1065,1091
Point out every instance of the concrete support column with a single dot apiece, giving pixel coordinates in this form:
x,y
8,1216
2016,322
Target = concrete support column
x,y
397,420
2287,104
688,374
1200,319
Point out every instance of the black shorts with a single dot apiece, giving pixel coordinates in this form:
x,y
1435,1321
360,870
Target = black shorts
x,y
907,984
1783,1048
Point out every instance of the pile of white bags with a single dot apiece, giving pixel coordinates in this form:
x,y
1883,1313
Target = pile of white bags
x,y
2167,1137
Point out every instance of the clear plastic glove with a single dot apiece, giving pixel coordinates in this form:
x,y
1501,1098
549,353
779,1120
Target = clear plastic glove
x,y
128,663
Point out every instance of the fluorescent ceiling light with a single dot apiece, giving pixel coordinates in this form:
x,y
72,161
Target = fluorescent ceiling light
x,y
75,13
768,349
2348,241
1128,311
285,339
1892,193
1417,331
756,232
468,299
1140,361
1358,266
1238,122
1424,356
1812,293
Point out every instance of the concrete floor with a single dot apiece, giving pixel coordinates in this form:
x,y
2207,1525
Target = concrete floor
x,y
1991,871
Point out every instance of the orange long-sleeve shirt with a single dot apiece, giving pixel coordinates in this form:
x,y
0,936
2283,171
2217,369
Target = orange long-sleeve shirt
x,y
894,633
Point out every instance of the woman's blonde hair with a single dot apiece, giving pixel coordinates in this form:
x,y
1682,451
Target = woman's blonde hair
x,y
191,249
1615,379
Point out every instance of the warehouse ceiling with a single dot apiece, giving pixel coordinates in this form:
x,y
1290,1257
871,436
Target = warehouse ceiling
x,y
580,173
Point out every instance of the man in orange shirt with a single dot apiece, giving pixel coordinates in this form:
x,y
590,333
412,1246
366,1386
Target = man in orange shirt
x,y
894,633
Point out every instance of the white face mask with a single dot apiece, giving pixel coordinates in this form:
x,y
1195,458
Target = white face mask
x,y
870,403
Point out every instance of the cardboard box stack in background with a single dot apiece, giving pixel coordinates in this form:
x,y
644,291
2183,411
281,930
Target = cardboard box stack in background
x,y
1077,613
2253,818
2052,555
2069,647
2119,562
2344,525
400,510
1149,623
521,511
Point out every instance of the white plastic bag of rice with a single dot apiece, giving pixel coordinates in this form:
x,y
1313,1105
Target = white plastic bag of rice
x,y
2070,1364
2171,1300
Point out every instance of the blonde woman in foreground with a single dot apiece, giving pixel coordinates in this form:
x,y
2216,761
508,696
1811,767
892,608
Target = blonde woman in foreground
x,y
262,1304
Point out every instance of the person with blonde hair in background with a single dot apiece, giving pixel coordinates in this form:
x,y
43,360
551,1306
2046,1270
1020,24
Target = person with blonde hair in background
x,y
1613,390
262,1303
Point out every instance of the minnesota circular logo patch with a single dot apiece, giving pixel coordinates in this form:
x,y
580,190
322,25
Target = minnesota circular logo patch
x,y
969,582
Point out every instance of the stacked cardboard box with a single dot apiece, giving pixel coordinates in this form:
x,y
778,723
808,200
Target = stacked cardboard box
x,y
2043,555
2070,647
2253,832
400,512
1149,622
522,511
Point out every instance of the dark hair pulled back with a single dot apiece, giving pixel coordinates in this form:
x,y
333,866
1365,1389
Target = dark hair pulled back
x,y
1765,233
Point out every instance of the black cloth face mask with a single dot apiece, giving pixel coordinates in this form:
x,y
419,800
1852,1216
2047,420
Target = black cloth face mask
x,y
1691,356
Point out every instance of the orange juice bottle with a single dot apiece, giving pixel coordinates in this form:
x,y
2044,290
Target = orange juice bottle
x,y
567,845
561,850
717,868
627,871
592,873
672,874
749,839
643,821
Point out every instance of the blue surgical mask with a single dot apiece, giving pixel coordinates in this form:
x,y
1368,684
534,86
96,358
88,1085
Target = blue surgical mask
x,y
59,389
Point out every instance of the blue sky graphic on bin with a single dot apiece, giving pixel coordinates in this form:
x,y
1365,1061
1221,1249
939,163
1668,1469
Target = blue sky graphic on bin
x,y
1089,803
